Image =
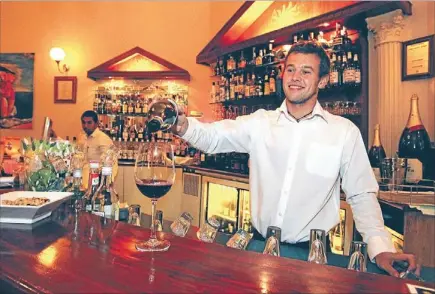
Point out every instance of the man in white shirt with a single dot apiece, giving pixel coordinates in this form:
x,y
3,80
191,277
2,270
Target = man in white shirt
x,y
94,141
299,156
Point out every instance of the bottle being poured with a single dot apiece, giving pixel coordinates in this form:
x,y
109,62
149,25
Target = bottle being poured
x,y
162,115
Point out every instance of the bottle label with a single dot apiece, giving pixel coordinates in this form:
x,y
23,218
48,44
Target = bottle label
x,y
357,77
272,85
106,170
333,77
349,75
414,171
107,210
95,179
266,89
77,173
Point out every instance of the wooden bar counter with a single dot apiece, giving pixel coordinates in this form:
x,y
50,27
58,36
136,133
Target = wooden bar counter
x,y
84,253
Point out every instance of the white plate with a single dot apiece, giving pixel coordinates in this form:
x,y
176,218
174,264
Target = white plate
x,y
30,214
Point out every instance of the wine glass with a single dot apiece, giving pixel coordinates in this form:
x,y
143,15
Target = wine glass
x,y
154,173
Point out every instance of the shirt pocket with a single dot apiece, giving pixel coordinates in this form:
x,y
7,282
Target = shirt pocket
x,y
323,160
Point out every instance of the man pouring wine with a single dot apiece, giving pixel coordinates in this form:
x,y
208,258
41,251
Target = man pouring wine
x,y
297,145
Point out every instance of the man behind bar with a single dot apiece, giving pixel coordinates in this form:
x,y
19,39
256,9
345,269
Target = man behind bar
x,y
299,155
95,141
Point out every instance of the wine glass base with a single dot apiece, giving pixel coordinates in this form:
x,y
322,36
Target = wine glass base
x,y
153,245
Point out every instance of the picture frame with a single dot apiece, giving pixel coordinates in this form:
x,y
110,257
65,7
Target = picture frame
x,y
418,60
65,89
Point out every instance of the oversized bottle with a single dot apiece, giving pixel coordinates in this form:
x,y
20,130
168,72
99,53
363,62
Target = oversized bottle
x,y
376,153
414,144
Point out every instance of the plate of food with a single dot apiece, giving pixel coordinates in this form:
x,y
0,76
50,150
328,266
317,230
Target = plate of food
x,y
27,207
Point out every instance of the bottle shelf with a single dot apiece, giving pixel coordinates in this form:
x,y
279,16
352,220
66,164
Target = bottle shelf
x,y
268,99
346,90
124,114
249,68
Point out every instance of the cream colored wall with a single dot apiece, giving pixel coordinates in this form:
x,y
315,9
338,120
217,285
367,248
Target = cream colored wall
x,y
94,32
420,24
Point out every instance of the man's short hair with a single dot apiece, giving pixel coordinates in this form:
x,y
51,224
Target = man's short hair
x,y
90,113
312,47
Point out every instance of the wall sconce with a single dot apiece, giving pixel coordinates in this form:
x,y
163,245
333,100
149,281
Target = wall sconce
x,y
57,54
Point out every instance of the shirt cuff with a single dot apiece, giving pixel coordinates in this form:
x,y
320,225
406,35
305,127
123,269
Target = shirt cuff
x,y
378,244
190,129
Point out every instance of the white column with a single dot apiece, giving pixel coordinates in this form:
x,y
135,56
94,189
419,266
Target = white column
x,y
387,30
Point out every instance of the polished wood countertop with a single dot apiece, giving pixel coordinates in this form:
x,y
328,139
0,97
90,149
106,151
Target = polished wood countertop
x,y
78,252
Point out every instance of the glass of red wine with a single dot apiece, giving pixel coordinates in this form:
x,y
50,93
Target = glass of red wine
x,y
154,173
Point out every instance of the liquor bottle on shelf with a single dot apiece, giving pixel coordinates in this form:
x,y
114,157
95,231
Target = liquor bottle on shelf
x,y
339,66
254,57
269,57
259,58
333,74
376,153
414,144
348,70
272,82
242,61
266,85
357,70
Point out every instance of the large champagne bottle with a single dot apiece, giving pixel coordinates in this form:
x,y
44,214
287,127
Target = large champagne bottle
x,y
376,153
414,144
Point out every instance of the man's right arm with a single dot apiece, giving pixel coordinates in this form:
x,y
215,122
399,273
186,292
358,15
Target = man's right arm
x,y
218,137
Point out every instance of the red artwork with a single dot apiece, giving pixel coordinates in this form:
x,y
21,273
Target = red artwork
x,y
16,90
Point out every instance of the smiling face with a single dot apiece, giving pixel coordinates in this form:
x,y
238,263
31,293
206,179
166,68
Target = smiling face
x,y
301,78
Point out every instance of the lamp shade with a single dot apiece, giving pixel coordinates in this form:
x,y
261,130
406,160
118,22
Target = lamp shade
x,y
57,54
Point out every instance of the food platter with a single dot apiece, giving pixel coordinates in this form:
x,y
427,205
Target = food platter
x,y
29,211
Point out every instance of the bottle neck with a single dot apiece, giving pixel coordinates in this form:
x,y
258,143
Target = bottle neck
x,y
414,120
377,137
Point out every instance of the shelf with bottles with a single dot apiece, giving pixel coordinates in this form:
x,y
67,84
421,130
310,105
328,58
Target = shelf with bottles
x,y
132,98
261,76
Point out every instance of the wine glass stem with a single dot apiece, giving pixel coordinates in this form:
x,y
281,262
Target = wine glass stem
x,y
153,217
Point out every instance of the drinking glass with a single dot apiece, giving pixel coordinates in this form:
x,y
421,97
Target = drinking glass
x,y
181,225
358,257
154,173
239,240
317,247
273,237
207,232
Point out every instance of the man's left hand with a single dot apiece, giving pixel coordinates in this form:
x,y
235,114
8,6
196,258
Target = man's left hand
x,y
385,261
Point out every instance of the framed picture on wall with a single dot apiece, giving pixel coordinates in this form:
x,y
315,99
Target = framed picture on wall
x,y
16,90
418,58
65,89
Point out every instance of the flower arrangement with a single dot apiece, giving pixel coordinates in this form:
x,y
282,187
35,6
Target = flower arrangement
x,y
47,163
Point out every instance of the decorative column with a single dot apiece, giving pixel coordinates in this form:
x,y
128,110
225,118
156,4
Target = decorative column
x,y
387,30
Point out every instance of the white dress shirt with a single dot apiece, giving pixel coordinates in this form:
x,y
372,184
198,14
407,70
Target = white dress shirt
x,y
296,169
95,144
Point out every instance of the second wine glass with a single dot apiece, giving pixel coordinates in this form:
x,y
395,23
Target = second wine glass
x,y
154,173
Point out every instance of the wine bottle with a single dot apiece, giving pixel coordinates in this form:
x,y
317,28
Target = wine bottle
x,y
376,153
414,144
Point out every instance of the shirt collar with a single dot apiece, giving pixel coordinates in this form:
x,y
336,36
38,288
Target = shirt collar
x,y
317,111
94,133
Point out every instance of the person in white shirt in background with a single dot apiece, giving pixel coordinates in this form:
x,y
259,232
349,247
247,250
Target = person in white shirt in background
x,y
94,141
300,154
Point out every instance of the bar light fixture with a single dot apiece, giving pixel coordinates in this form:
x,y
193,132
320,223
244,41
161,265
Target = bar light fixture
x,y
57,54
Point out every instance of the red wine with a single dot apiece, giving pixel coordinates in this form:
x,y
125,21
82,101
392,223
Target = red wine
x,y
153,188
